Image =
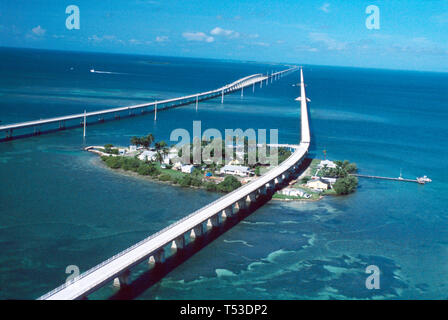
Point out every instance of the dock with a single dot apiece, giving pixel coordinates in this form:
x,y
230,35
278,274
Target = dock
x,y
393,179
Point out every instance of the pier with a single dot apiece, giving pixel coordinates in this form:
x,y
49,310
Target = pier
x,y
193,226
418,180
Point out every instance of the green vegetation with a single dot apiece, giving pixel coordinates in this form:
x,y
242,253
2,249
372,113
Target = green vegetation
x,y
144,141
196,178
343,169
345,185
131,164
304,180
230,183
250,150
109,148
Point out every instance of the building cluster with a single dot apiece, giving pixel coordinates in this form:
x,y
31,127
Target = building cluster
x,y
171,158
320,184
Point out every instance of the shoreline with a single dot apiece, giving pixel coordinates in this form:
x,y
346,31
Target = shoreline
x,y
98,162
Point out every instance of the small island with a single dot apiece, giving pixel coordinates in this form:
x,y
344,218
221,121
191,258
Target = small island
x,y
158,162
321,178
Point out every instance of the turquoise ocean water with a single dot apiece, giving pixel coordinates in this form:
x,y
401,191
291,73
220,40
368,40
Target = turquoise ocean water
x,y
60,207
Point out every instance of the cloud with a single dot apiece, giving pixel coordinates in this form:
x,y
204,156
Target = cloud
x,y
262,44
197,36
39,31
162,39
325,7
109,38
327,41
223,32
135,41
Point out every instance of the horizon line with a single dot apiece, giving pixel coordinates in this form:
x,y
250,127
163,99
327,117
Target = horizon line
x,y
224,59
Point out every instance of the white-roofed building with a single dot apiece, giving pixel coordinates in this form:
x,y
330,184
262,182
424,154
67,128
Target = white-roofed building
x,y
328,163
187,168
148,155
241,171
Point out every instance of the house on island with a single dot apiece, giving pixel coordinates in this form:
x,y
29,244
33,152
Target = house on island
x,y
148,155
329,180
293,192
327,163
187,168
317,185
241,171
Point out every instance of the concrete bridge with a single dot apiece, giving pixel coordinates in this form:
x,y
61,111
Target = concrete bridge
x,y
152,249
80,119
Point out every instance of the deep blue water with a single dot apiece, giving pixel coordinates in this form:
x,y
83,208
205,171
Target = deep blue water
x,y
60,207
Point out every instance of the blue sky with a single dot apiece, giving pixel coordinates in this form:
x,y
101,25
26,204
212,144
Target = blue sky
x,y
413,34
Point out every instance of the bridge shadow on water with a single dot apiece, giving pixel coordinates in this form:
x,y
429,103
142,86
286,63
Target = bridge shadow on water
x,y
159,271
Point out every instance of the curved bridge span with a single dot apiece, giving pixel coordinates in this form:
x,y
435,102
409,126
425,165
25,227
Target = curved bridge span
x,y
151,249
60,123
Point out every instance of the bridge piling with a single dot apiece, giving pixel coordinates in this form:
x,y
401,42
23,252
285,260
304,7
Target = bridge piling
x,y
251,197
157,257
155,112
122,280
213,222
197,231
226,213
178,243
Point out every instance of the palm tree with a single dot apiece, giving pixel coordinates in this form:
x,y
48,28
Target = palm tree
x,y
147,140
136,141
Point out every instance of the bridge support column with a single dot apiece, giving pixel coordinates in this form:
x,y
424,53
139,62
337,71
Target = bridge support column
x,y
178,243
155,112
227,212
251,197
261,84
222,97
157,257
197,101
242,92
240,205
262,191
122,280
278,181
213,221
197,231
253,87
9,134
270,187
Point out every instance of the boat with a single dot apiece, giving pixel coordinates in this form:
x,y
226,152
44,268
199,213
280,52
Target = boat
x,y
92,70
423,180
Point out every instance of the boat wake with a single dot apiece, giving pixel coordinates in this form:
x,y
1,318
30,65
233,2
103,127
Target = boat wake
x,y
105,72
